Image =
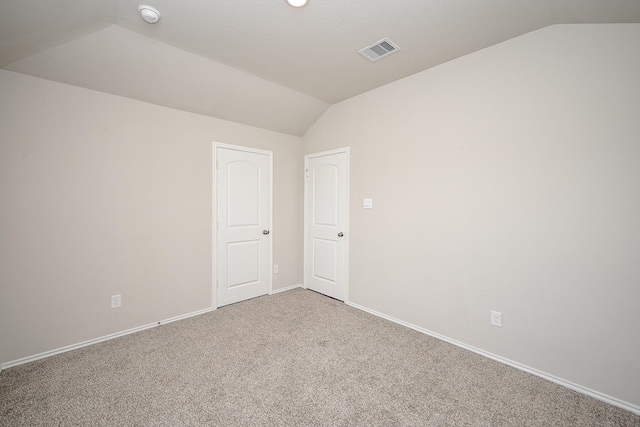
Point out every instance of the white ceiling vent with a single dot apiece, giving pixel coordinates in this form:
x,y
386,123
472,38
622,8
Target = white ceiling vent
x,y
379,50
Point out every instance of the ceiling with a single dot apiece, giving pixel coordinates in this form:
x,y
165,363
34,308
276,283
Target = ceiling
x,y
262,62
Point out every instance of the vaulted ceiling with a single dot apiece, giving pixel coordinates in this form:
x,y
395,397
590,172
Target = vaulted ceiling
x,y
263,62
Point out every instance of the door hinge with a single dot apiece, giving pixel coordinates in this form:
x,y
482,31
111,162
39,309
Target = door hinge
x,y
217,284
216,165
306,173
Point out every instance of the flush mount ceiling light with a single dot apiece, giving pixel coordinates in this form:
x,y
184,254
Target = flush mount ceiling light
x,y
297,3
149,14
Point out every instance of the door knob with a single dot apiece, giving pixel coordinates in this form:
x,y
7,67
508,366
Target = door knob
x,y
265,232
340,234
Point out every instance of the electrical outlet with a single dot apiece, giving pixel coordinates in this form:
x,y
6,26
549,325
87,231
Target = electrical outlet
x,y
116,301
496,318
275,268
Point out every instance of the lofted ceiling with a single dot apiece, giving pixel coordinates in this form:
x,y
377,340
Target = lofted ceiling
x,y
262,62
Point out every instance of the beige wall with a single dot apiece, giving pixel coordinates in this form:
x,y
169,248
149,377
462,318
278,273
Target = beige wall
x,y
507,180
103,195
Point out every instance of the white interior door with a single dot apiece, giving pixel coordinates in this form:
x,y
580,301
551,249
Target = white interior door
x,y
326,214
243,224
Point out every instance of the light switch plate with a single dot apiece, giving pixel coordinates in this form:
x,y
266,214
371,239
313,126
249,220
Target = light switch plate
x,y
367,203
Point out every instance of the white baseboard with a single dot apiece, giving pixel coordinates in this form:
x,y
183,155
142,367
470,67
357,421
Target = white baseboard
x,y
288,288
580,389
64,349
186,316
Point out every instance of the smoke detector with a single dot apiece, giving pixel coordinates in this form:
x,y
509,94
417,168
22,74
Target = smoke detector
x,y
379,50
149,14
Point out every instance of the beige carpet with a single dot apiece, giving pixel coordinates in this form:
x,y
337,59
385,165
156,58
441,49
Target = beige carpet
x,y
295,358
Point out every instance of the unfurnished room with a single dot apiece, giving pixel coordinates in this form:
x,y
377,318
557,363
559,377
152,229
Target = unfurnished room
x,y
320,213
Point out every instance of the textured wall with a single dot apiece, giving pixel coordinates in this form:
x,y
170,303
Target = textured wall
x,y
506,180
102,195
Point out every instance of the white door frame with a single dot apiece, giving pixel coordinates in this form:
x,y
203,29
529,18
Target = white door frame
x,y
346,231
214,216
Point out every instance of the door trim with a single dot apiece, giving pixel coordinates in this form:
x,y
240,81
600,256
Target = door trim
x,y
214,216
347,151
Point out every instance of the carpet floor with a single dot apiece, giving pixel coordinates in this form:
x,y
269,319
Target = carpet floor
x,y
294,358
